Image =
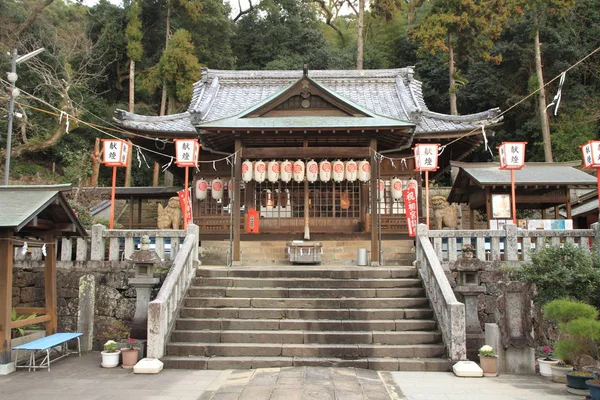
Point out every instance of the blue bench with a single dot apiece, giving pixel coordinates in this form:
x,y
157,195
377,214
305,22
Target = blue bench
x,y
48,344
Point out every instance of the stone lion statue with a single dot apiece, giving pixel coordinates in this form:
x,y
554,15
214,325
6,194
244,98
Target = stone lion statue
x,y
169,216
444,214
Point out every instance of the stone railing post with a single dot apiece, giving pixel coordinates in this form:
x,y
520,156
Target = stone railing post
x,y
511,246
421,231
98,242
596,229
193,229
66,252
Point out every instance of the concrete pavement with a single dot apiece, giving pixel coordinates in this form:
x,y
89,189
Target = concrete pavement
x,y
83,379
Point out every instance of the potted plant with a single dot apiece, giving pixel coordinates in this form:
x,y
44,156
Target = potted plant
x,y
579,338
488,361
559,371
110,355
130,353
545,360
594,385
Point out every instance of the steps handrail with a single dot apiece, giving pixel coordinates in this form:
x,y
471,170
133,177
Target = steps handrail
x,y
449,312
163,310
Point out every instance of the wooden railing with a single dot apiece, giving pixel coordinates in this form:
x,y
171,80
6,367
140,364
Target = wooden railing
x,y
163,311
449,312
508,244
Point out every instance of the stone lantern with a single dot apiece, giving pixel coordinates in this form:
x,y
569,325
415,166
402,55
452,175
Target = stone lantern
x,y
145,261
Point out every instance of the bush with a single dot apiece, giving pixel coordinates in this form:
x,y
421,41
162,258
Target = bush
x,y
579,330
560,272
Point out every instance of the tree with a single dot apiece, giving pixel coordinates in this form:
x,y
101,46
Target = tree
x,y
463,27
133,33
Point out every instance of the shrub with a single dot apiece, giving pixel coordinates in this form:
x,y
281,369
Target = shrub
x,y
560,272
579,330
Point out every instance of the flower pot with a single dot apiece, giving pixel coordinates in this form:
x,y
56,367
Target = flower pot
x,y
576,379
594,385
130,357
558,373
489,365
110,360
545,365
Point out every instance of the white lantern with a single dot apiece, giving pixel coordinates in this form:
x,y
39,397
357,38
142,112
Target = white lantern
x,y
186,152
364,171
201,189
591,154
512,155
247,171
115,152
286,169
324,171
312,171
273,171
217,188
396,188
260,171
338,170
426,156
299,171
413,184
351,170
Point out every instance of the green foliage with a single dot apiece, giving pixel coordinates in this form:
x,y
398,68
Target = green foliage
x,y
133,32
578,327
18,332
565,310
111,346
560,272
82,213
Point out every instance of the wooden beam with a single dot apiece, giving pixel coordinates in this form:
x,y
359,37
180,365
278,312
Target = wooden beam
x,y
488,203
374,206
568,203
38,223
236,202
306,152
50,284
30,310
30,321
6,280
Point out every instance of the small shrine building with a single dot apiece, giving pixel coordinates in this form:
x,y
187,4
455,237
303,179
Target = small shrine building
x,y
252,122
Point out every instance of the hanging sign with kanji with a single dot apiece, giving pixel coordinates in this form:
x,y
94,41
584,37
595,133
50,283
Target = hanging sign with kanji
x,y
115,152
410,205
186,205
186,152
591,154
512,155
426,156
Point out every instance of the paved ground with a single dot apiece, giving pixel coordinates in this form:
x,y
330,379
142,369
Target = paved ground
x,y
83,379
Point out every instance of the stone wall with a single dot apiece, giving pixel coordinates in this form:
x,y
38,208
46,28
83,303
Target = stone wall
x,y
114,298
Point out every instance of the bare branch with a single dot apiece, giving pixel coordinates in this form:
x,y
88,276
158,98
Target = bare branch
x,y
32,17
243,12
327,13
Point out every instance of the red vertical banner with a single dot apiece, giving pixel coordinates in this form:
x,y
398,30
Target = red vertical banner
x,y
410,205
186,206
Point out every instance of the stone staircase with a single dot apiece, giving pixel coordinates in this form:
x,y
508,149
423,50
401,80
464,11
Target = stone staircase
x,y
253,317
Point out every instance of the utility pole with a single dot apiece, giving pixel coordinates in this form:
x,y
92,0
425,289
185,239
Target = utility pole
x,y
13,93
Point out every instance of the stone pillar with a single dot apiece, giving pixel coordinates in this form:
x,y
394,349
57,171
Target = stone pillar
x,y
596,228
143,286
98,243
85,314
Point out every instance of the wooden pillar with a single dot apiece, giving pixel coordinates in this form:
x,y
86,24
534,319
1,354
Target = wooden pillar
x,y
155,174
131,212
128,167
543,213
556,215
50,284
139,213
471,218
488,204
374,206
6,280
235,203
568,203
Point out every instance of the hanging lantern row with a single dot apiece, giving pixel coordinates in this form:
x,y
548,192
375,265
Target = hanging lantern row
x,y
216,188
324,171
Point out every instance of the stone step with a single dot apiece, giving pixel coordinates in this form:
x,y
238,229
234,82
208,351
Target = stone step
x,y
226,302
304,324
308,313
305,282
346,351
259,292
385,364
315,272
305,337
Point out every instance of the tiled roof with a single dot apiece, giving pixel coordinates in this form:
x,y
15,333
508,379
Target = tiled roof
x,y
392,93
